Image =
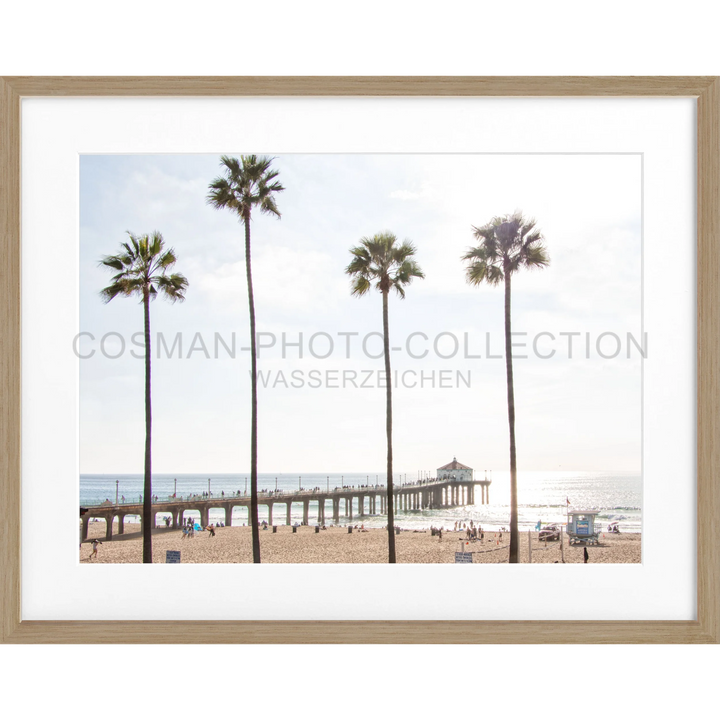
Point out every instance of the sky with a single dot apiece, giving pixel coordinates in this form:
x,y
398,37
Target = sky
x,y
572,412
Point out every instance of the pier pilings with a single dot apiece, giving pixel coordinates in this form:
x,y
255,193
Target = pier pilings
x,y
414,497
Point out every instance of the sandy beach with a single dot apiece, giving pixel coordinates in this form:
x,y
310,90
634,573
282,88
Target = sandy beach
x,y
336,545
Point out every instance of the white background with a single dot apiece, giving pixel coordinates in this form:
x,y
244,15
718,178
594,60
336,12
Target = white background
x,y
56,587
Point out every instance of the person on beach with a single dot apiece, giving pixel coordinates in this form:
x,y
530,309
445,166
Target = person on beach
x,y
184,531
94,553
586,557
212,531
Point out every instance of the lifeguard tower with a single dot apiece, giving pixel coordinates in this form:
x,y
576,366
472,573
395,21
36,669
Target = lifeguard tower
x,y
581,528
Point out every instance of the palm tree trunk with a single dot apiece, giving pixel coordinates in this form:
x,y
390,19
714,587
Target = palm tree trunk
x,y
147,486
514,538
253,379
388,427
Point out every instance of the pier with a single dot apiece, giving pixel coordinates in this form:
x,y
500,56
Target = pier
x,y
345,502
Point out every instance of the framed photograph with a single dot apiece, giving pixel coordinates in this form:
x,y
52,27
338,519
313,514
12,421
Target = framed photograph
x,y
323,342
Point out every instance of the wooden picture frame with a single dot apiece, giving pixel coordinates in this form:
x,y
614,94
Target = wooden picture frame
x,y
705,629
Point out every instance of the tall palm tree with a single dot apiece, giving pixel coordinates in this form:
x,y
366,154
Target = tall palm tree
x,y
505,245
247,184
382,261
143,270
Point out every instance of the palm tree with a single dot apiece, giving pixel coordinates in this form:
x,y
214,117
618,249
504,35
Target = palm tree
x,y
381,261
143,270
248,183
505,245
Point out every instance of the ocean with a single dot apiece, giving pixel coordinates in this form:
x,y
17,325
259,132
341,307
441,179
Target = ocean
x,y
541,496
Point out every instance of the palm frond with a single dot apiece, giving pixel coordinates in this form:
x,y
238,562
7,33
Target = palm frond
x,y
143,270
404,275
130,253
221,194
360,285
232,165
269,207
166,259
381,261
135,243
505,244
173,286
248,183
155,243
112,291
536,257
112,261
480,271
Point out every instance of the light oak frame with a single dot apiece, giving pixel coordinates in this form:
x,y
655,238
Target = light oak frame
x,y
706,629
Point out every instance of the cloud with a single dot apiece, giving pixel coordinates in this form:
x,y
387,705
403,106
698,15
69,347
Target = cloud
x,y
587,206
285,281
424,191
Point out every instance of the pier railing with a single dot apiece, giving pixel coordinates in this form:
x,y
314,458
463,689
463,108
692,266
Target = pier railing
x,y
407,497
265,494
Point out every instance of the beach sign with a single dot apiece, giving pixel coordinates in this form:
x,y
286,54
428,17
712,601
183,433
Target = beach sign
x,y
172,556
463,557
